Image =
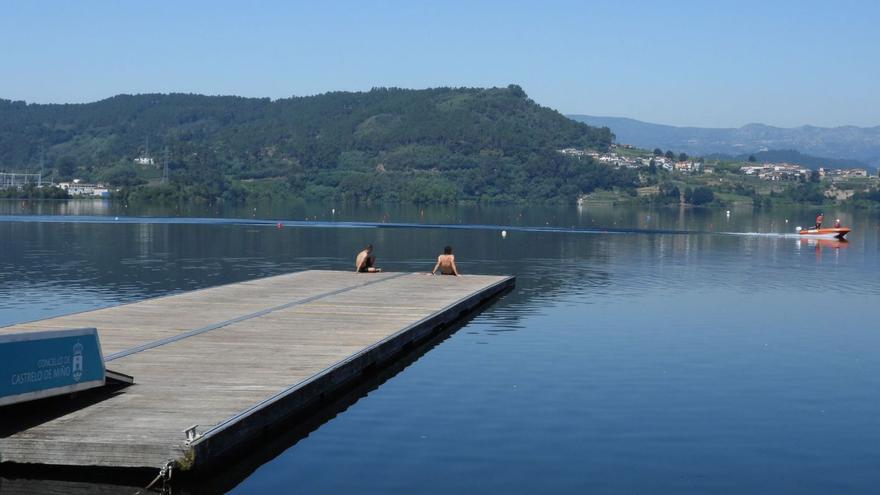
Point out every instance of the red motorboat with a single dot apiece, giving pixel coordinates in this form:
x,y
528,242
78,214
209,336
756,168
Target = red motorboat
x,y
832,233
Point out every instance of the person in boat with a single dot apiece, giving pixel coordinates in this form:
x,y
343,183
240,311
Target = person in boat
x,y
837,224
365,262
819,219
446,263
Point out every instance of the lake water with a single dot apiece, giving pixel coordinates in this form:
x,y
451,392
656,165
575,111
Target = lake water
x,y
729,359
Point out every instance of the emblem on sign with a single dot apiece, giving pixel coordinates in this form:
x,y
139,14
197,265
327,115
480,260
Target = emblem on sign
x,y
77,361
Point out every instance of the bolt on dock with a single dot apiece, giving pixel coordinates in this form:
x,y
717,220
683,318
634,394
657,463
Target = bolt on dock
x,y
215,369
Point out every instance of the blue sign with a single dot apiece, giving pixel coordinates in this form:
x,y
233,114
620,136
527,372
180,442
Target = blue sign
x,y
42,364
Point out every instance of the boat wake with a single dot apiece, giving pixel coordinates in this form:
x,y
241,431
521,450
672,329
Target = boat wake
x,y
793,235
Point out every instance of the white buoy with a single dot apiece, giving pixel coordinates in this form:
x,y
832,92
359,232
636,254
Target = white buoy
x,y
504,234
117,218
786,220
333,211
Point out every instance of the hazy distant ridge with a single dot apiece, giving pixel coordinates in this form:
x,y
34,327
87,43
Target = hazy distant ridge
x,y
858,143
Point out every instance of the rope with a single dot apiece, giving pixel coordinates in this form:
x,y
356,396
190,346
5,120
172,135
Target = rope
x,y
164,475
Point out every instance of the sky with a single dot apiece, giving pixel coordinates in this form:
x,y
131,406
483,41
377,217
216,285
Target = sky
x,y
700,63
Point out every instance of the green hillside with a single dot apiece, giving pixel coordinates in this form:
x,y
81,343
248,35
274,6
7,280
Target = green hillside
x,y
432,145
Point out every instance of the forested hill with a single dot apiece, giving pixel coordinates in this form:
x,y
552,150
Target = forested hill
x,y
440,144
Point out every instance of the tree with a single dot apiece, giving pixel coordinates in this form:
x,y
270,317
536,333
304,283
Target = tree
x,y
670,190
652,167
658,152
516,90
66,167
806,193
122,175
814,176
670,155
752,159
682,157
699,196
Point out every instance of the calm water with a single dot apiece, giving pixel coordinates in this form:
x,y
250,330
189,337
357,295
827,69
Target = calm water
x,y
621,363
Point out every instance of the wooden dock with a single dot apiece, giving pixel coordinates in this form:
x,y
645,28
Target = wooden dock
x,y
235,360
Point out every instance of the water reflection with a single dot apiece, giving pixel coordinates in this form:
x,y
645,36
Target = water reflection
x,y
741,219
619,363
825,243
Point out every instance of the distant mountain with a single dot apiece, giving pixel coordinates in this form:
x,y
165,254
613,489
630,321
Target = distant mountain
x,y
792,156
847,142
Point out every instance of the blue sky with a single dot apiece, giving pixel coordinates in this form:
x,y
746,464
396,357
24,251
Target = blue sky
x,y
702,63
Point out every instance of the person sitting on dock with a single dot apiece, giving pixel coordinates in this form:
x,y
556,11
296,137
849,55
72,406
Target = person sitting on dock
x,y
365,262
446,263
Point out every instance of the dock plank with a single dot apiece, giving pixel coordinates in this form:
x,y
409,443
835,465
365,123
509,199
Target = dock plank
x,y
235,358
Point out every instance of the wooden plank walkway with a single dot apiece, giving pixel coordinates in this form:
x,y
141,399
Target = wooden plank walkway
x,y
235,360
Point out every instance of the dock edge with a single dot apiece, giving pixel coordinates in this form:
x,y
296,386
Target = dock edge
x,y
219,443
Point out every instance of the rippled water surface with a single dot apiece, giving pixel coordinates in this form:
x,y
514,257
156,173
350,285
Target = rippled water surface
x,y
656,361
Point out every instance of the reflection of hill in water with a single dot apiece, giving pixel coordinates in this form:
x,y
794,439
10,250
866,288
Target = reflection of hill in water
x,y
54,268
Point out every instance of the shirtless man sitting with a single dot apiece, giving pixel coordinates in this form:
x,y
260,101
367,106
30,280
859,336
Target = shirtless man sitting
x,y
446,263
365,262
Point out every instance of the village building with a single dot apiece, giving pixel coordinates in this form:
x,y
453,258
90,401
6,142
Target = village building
x,y
76,188
776,171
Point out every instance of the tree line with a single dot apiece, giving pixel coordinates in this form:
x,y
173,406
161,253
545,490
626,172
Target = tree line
x,y
387,144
